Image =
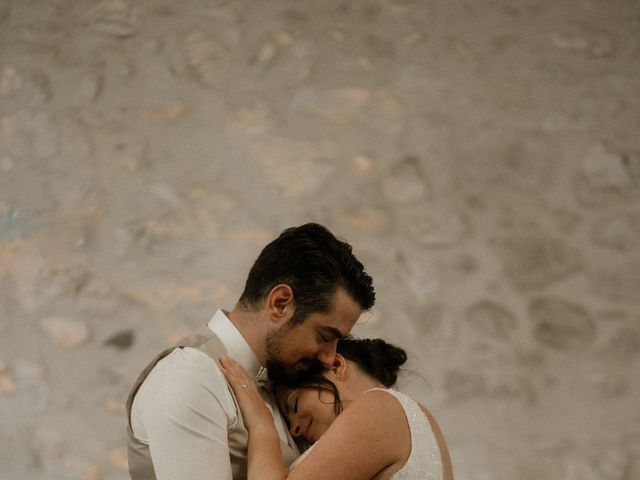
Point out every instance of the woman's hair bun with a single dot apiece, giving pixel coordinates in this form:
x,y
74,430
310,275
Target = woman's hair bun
x,y
374,356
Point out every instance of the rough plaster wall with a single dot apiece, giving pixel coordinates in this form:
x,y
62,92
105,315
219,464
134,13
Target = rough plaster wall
x,y
483,157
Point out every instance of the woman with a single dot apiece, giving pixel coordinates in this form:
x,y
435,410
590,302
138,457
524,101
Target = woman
x,y
358,429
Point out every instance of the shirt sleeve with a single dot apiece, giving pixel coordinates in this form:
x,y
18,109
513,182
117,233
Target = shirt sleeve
x,y
182,411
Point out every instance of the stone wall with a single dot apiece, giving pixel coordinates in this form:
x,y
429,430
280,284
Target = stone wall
x,y
482,157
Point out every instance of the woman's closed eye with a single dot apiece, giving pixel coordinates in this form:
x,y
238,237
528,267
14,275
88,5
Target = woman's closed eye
x,y
291,403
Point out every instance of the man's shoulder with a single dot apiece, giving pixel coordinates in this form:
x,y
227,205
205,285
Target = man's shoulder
x,y
186,365
185,388
185,374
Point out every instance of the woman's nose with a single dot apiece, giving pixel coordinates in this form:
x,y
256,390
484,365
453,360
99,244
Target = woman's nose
x,y
294,429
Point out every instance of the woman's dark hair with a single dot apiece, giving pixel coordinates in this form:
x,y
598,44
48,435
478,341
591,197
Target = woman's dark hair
x,y
375,357
314,263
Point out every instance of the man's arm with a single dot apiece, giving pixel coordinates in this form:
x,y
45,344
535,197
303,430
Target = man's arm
x,y
182,411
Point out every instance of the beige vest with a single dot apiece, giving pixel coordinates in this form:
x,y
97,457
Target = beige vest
x,y
140,464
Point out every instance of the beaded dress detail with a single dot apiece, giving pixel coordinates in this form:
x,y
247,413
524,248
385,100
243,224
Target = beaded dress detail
x,y
424,462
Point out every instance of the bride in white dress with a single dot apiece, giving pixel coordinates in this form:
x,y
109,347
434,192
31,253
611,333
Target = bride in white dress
x,y
358,427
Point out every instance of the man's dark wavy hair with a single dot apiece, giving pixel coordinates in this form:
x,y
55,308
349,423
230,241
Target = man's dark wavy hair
x,y
314,263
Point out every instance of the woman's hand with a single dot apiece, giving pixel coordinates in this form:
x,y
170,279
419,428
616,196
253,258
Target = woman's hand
x,y
255,412
264,460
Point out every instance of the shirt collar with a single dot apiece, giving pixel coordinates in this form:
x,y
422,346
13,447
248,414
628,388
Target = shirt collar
x,y
236,345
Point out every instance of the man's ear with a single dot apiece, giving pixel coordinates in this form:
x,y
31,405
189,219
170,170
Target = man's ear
x,y
280,304
340,367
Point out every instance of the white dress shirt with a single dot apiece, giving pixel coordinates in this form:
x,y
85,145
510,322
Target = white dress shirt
x,y
184,407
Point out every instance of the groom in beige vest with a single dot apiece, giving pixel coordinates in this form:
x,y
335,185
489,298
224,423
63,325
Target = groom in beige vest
x,y
304,292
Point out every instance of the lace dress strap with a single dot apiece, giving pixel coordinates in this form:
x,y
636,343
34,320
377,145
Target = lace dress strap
x,y
425,461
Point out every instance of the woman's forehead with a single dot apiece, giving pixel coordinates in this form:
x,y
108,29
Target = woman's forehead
x,y
282,392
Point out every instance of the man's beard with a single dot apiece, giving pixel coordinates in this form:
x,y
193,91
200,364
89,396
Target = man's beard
x,y
292,375
287,373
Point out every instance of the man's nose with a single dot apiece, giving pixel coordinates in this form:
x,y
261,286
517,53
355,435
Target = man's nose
x,y
327,355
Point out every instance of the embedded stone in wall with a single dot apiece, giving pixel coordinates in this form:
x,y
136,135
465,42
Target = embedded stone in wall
x,y
119,406
367,218
117,18
529,162
363,164
625,343
129,157
5,10
66,332
197,56
406,182
617,231
337,106
121,340
461,385
27,134
301,177
610,462
597,43
433,225
21,89
47,444
295,169
90,86
167,113
561,324
610,381
427,321
490,319
566,220
118,458
97,121
38,281
29,377
419,276
45,134
602,45
633,472
533,260
201,50
571,39
63,280
621,282
249,119
77,469
608,177
7,382
266,54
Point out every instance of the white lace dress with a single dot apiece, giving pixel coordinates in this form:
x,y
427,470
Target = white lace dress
x,y
424,462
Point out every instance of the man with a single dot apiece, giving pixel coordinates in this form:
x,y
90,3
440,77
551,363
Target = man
x,y
304,292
